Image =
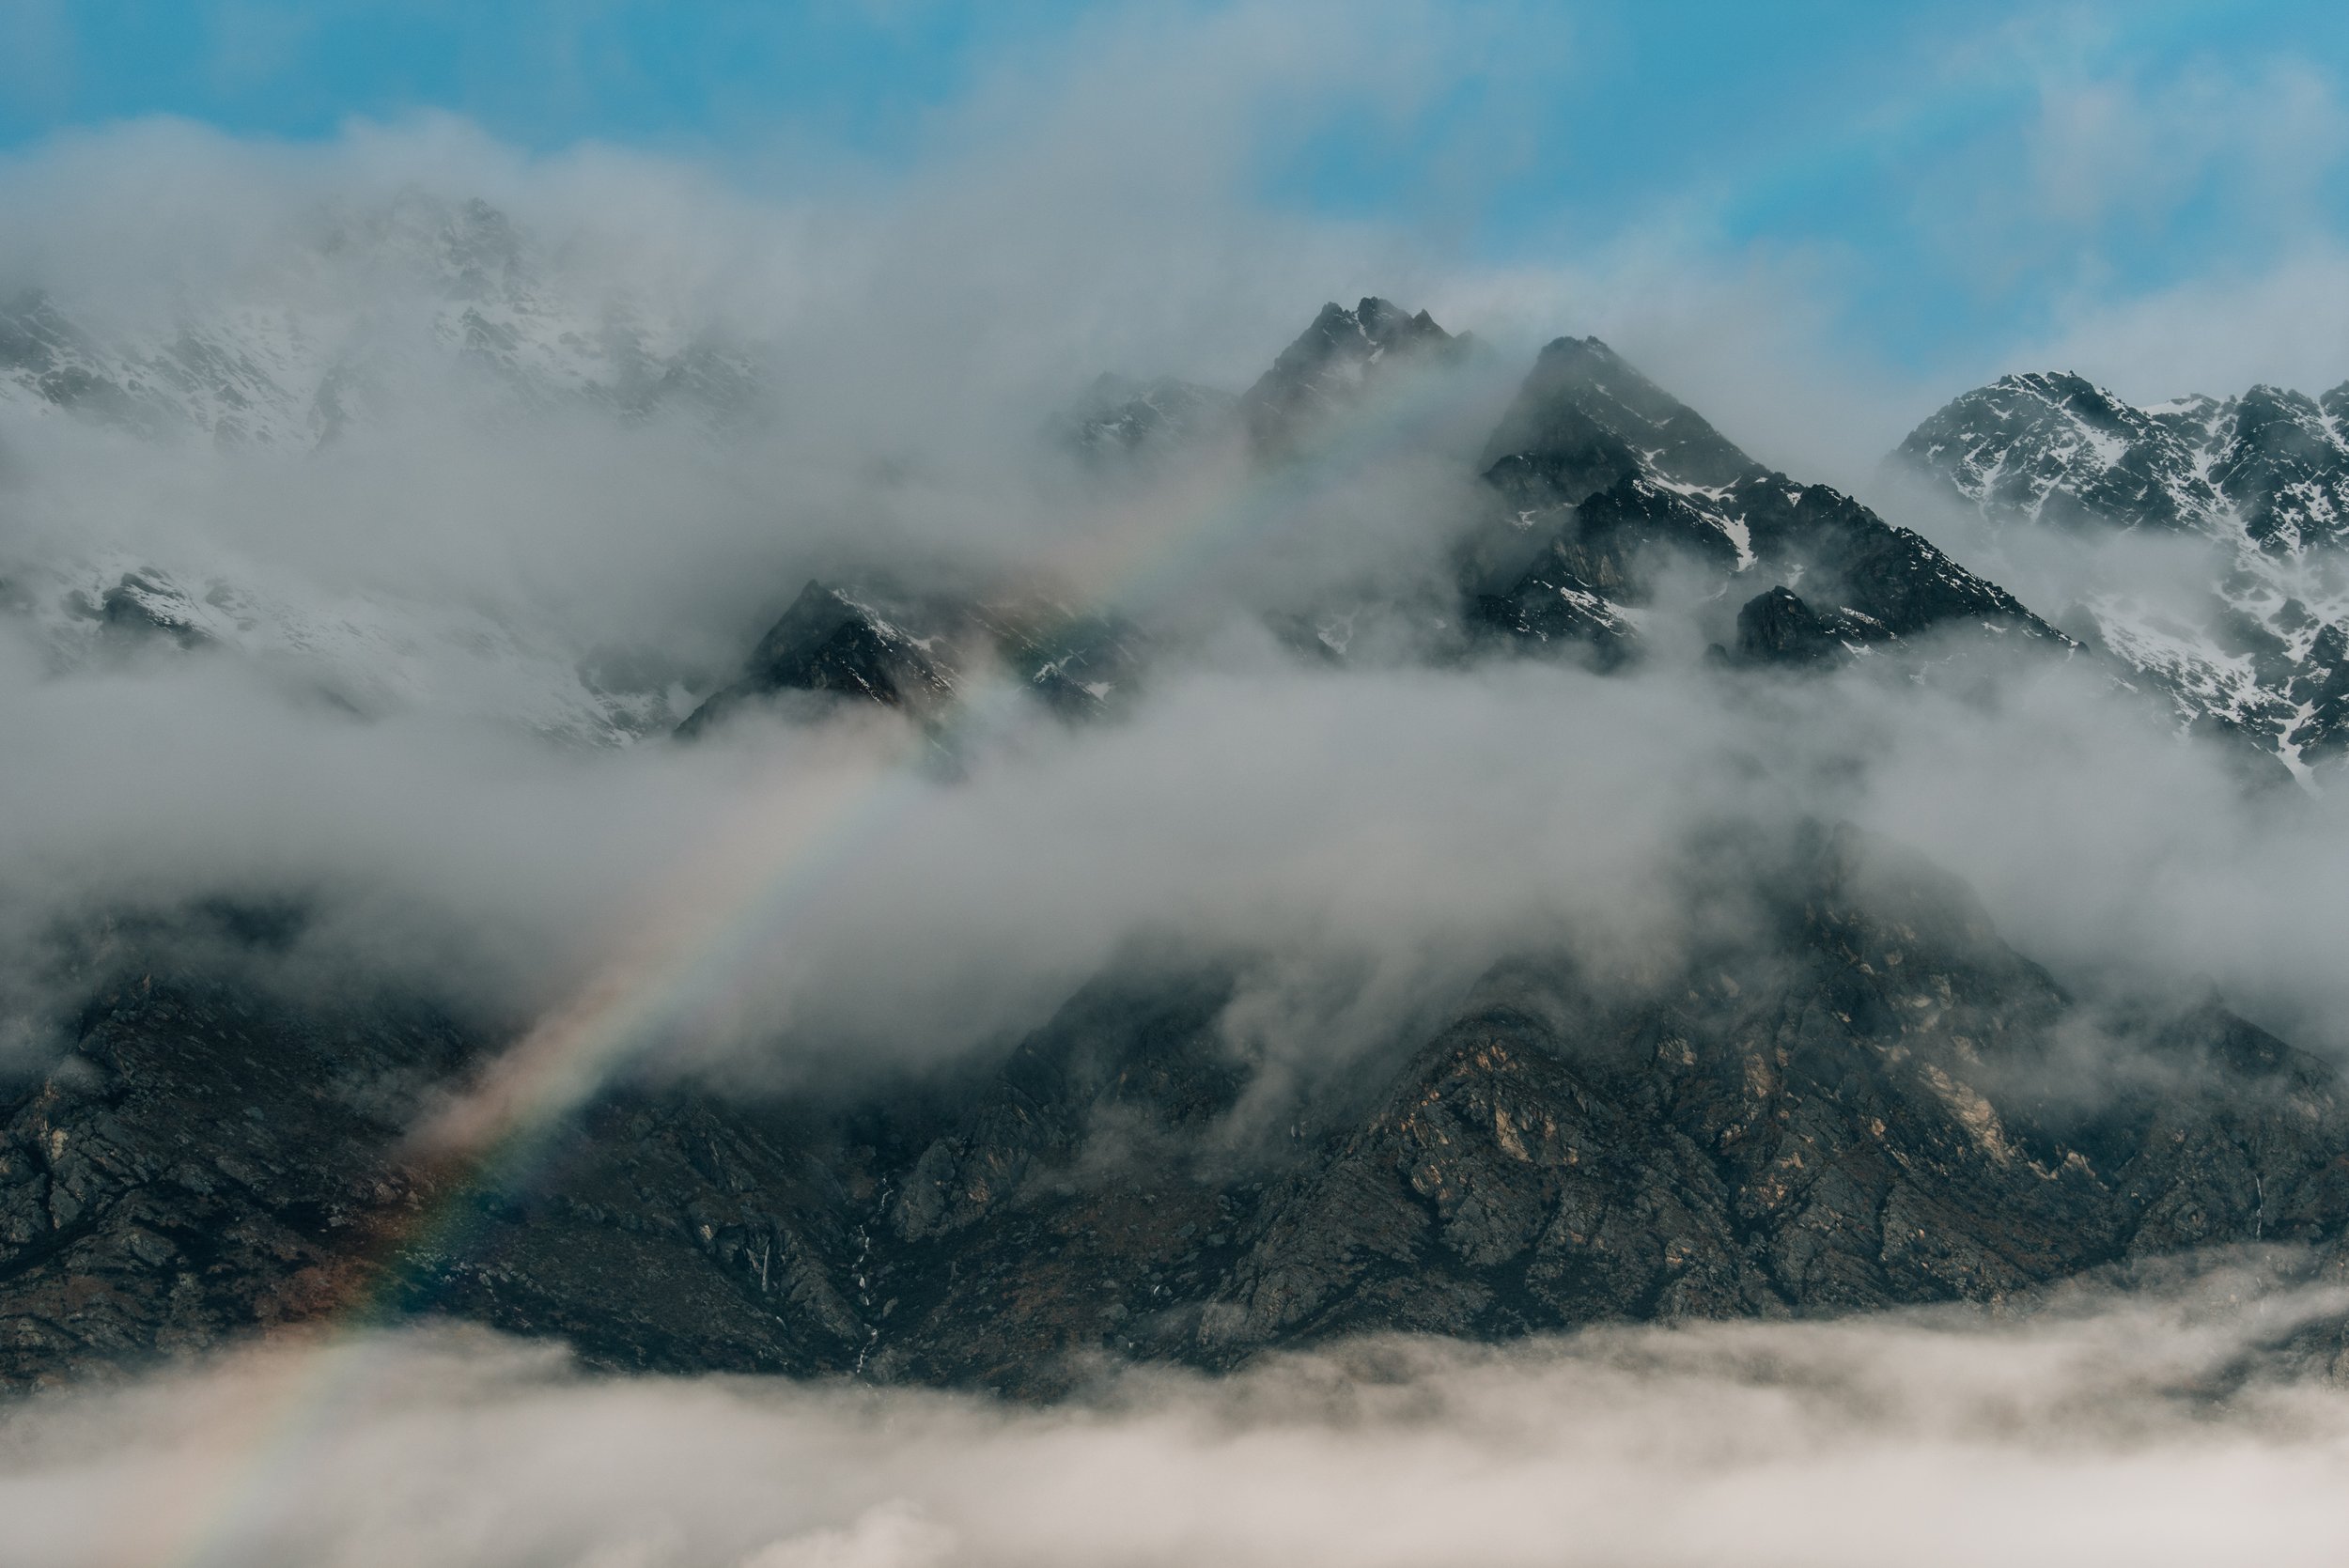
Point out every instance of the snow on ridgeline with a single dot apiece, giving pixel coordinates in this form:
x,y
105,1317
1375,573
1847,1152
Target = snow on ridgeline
x,y
2260,643
290,355
416,306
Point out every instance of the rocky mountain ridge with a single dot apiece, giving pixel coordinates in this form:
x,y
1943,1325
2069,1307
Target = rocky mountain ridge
x,y
1841,1089
1603,475
1856,1098
919,653
291,358
2257,641
1596,485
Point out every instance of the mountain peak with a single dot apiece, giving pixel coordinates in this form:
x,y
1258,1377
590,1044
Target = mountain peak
x,y
2263,476
1603,473
1585,419
1333,364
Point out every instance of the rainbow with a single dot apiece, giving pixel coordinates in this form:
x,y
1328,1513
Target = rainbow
x,y
762,875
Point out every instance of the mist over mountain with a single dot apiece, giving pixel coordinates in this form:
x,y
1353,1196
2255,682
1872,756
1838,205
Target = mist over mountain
x,y
865,837
1345,1042
2205,538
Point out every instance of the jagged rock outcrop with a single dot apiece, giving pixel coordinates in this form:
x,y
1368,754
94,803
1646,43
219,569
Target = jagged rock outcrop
x,y
1344,358
1776,627
915,654
1606,480
830,642
2263,477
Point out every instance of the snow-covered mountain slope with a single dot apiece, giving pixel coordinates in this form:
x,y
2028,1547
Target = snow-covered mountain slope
x,y
373,654
418,312
291,354
2257,641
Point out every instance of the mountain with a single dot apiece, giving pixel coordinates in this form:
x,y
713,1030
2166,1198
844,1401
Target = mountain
x,y
1837,1089
323,337
1342,359
369,652
1604,479
1594,486
1119,418
918,653
2260,645
1856,1097
412,308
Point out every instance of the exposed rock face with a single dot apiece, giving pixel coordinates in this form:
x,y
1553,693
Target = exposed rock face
x,y
204,1162
1777,628
1607,480
1843,1092
1856,1117
211,1161
1342,358
2263,477
916,653
1853,1094
830,642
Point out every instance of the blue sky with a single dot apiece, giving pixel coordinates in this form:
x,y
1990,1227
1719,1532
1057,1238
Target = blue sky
x,y
1946,175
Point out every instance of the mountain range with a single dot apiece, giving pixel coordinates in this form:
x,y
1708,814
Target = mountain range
x,y
1845,1091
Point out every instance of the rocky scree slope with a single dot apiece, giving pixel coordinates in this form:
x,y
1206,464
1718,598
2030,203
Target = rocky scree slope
x,y
2262,645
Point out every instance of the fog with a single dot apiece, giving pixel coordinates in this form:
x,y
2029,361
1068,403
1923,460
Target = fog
x,y
463,509
2195,1418
851,895
397,748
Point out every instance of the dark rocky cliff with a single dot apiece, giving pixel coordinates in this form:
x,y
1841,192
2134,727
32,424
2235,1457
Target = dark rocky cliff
x,y
1850,1094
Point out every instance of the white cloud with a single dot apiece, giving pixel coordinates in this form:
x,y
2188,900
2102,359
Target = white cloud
x,y
2106,1431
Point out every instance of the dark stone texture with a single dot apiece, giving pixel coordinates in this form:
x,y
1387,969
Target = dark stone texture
x,y
1776,628
913,653
1846,1094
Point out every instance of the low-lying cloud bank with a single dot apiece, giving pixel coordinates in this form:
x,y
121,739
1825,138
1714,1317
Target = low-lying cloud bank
x,y
1409,826
2187,1422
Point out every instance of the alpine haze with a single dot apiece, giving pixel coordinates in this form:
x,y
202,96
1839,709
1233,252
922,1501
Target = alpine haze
x,y
880,785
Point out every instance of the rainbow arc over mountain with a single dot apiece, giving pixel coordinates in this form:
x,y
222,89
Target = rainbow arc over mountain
x,y
764,874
